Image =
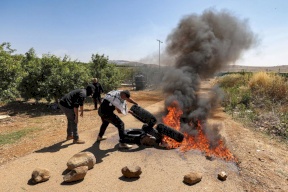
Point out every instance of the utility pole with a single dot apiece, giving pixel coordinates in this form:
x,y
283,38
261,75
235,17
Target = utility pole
x,y
159,51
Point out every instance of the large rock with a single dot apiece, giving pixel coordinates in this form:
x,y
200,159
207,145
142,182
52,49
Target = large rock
x,y
148,140
131,172
40,175
192,178
81,159
76,174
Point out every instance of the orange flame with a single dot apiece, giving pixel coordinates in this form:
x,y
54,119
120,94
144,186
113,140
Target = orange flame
x,y
200,141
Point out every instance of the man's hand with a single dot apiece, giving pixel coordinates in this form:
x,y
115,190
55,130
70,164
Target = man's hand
x,y
76,120
81,111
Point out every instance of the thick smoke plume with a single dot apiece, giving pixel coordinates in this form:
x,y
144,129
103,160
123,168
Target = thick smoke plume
x,y
201,45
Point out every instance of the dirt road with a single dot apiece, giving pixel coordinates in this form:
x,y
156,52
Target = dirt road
x,y
262,161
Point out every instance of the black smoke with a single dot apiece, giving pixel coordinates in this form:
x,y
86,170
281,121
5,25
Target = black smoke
x,y
201,45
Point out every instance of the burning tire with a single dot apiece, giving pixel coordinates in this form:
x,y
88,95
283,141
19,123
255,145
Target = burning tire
x,y
143,115
133,136
151,131
170,132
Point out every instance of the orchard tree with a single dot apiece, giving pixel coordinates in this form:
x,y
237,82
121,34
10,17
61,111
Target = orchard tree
x,y
67,76
50,77
11,72
99,62
108,74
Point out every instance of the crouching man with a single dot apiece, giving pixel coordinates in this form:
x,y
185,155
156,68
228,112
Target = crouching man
x,y
114,100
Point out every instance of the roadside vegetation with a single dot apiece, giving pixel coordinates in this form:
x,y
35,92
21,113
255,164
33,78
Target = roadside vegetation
x,y
258,100
13,137
50,77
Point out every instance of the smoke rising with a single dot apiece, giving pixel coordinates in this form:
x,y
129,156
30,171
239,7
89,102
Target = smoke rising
x,y
201,45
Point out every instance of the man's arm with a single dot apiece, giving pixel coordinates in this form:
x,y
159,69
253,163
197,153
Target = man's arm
x,y
81,110
130,100
101,89
76,115
118,110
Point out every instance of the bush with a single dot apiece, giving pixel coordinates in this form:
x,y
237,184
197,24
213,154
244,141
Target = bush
x,y
248,97
269,85
233,80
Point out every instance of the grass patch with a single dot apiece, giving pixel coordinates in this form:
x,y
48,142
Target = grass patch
x,y
259,100
13,137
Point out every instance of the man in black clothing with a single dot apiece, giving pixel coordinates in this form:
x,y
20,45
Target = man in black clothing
x,y
69,104
97,94
114,100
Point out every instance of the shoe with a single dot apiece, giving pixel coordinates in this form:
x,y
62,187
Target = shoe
x,y
69,137
78,141
125,146
101,138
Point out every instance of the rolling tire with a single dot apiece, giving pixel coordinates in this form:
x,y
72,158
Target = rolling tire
x,y
151,131
132,136
143,115
170,132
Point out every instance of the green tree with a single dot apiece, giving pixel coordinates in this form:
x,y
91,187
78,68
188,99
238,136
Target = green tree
x,y
99,62
11,72
108,74
50,77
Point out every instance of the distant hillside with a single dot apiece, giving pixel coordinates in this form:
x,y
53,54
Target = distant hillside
x,y
230,68
237,68
131,63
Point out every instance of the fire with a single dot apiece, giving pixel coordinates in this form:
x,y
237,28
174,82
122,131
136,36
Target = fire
x,y
198,141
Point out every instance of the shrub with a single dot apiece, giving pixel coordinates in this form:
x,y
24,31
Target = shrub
x,y
269,85
233,80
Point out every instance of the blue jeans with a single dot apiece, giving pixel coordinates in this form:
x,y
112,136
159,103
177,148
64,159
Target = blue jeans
x,y
72,128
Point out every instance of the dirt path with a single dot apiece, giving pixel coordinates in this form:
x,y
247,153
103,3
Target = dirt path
x,y
262,161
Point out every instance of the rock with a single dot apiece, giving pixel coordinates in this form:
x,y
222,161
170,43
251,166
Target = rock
x,y
222,176
192,178
209,157
81,159
40,175
76,174
148,140
130,172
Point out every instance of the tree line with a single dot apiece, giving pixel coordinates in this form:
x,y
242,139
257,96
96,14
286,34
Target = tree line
x,y
50,77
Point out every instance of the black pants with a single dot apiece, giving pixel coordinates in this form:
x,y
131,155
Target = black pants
x,y
116,121
96,100
72,129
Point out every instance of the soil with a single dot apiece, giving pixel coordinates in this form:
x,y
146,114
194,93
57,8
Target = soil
x,y
262,161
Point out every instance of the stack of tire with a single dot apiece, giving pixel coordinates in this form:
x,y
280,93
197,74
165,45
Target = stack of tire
x,y
134,135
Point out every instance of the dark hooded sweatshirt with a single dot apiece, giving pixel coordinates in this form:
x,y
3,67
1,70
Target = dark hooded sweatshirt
x,y
73,99
76,97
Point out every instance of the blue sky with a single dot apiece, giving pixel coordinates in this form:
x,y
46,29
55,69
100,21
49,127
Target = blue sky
x,y
128,29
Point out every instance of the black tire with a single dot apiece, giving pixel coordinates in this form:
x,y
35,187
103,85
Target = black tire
x,y
132,136
151,131
170,132
143,115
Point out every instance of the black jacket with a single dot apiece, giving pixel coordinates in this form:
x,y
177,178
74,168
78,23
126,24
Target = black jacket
x,y
98,90
74,98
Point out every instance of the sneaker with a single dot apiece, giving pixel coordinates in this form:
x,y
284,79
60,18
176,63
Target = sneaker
x,y
101,138
78,141
125,146
69,137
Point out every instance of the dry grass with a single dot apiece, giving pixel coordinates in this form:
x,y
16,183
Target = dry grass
x,y
269,84
231,80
